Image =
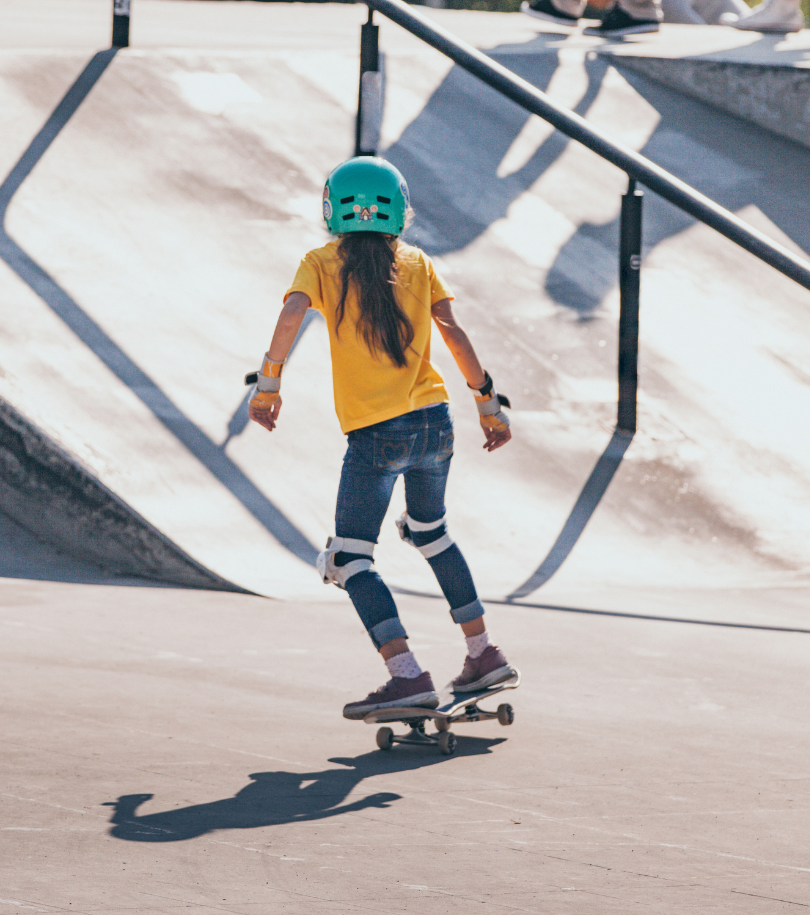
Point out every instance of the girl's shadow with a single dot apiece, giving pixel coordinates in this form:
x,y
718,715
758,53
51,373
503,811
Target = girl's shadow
x,y
275,798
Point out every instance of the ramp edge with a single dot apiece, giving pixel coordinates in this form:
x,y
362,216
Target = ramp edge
x,y
773,97
47,491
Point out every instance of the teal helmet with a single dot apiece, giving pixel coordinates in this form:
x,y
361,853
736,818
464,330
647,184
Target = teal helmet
x,y
365,194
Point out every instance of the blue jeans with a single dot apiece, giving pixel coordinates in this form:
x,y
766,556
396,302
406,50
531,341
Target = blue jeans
x,y
418,445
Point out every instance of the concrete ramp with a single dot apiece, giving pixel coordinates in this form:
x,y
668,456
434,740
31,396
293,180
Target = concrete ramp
x,y
152,233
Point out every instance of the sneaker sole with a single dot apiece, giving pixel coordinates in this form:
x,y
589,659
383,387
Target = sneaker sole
x,y
547,17
420,700
493,678
641,29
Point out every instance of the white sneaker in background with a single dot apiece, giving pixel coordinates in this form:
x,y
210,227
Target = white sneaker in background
x,y
773,16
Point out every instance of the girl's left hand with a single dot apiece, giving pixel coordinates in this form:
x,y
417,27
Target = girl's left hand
x,y
266,418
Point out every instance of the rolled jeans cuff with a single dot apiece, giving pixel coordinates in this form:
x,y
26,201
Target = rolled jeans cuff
x,y
468,612
387,630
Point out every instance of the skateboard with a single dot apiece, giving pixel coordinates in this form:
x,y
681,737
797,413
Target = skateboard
x,y
453,707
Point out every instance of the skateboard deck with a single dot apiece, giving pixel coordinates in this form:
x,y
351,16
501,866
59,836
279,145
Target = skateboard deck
x,y
453,707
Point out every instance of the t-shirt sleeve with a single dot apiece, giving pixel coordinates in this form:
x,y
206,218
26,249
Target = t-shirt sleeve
x,y
438,288
308,280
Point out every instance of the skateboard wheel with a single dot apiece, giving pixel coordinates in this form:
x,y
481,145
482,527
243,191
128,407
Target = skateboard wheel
x,y
385,738
506,714
442,724
448,743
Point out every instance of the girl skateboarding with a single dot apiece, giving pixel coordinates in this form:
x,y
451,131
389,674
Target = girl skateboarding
x,y
378,296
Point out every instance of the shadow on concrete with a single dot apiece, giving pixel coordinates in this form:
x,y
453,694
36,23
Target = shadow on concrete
x,y
278,798
211,455
511,602
240,419
452,153
731,161
656,619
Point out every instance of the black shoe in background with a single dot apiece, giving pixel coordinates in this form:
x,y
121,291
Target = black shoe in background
x,y
545,9
617,24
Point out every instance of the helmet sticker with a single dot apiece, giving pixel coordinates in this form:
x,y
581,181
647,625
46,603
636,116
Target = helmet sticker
x,y
404,188
326,192
327,210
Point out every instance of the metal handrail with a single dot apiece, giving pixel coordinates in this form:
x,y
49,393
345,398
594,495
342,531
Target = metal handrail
x,y
572,125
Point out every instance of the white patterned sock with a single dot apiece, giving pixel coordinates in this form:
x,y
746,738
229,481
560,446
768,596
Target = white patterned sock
x,y
403,665
476,644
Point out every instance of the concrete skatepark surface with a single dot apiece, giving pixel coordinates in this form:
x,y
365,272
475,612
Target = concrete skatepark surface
x,y
181,749
658,758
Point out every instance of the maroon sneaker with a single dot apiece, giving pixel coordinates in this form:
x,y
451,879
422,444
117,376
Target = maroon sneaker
x,y
399,691
487,669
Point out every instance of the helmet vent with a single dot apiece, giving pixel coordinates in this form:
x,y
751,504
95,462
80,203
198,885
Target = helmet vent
x,y
381,216
381,200
347,199
348,216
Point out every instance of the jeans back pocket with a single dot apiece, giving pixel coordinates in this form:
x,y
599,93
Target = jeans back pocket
x,y
393,452
447,438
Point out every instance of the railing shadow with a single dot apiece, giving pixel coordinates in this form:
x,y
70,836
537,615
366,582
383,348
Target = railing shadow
x,y
466,129
278,798
730,173
206,451
688,621
240,419
590,497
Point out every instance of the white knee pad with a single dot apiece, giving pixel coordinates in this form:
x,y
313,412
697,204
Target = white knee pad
x,y
406,524
339,575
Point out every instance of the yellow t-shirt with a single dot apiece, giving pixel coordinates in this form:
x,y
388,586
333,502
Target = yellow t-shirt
x,y
370,389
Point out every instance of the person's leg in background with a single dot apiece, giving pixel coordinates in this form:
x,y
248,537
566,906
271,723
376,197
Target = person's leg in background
x,y
778,16
560,12
624,17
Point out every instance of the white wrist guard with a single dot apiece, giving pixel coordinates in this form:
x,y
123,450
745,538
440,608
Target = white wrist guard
x,y
268,378
489,404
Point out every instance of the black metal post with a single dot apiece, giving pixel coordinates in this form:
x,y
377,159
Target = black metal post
x,y
120,30
629,285
366,132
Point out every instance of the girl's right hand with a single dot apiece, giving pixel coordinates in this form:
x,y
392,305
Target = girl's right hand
x,y
264,416
496,435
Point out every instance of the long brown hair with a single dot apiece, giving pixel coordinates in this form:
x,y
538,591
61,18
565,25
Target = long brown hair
x,y
370,268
